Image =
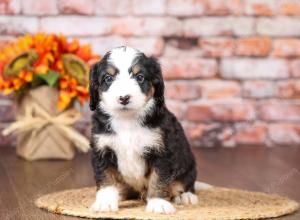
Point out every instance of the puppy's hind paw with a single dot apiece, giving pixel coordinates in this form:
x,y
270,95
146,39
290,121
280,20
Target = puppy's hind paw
x,y
158,205
186,198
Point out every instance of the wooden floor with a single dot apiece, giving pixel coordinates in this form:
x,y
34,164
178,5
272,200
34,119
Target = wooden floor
x,y
275,170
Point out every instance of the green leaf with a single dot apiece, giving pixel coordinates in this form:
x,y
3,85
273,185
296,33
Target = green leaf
x,y
50,78
37,81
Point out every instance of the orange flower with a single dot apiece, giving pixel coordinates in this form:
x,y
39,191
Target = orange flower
x,y
7,87
85,52
2,64
73,46
63,83
22,62
17,83
64,100
41,69
26,75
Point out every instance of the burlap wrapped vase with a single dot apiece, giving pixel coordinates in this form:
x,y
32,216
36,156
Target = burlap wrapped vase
x,y
43,132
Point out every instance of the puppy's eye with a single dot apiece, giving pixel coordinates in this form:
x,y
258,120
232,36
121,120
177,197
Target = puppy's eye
x,y
140,78
108,79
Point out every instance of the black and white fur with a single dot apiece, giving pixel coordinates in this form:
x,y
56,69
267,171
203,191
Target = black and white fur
x,y
139,149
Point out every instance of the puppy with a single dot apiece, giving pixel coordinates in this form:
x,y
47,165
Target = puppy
x,y
139,149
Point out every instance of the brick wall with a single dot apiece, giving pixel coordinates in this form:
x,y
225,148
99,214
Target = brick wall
x,y
232,67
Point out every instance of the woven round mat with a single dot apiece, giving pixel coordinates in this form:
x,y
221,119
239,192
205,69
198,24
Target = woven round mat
x,y
215,203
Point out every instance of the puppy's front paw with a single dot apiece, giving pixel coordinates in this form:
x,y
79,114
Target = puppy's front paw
x,y
107,200
186,198
158,205
104,206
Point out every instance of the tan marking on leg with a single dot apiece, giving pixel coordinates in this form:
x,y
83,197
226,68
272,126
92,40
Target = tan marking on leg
x,y
176,188
156,188
114,178
158,196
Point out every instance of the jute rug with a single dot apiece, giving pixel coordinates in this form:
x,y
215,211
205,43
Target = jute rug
x,y
215,203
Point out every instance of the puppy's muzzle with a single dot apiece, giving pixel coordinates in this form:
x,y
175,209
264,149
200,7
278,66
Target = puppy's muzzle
x,y
124,100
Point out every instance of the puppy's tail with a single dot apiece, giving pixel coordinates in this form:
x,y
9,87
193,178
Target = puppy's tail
x,y
202,186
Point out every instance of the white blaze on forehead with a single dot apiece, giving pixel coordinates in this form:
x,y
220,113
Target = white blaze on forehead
x,y
122,57
124,84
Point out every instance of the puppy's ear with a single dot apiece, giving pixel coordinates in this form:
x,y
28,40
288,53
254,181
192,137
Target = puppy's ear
x,y
157,78
94,84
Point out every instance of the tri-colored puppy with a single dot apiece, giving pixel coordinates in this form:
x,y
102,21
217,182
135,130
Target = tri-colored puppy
x,y
139,149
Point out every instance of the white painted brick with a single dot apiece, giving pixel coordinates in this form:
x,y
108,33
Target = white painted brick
x,y
217,26
254,68
18,25
279,26
77,25
148,45
10,7
148,26
101,45
112,7
185,7
146,7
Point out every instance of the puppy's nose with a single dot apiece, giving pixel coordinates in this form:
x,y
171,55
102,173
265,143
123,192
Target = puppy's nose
x,y
124,100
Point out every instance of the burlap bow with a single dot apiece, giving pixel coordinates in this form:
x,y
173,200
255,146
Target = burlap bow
x,y
36,118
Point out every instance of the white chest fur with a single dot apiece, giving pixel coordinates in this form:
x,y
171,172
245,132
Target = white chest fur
x,y
129,142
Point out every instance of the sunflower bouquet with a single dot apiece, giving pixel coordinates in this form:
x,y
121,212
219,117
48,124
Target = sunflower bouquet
x,y
41,59
47,74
